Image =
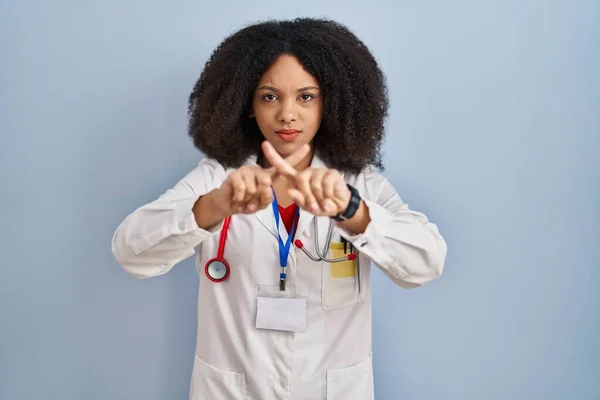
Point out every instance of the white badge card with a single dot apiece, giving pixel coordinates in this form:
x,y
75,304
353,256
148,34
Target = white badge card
x,y
281,310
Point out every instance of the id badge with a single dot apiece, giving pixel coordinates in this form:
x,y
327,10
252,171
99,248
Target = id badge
x,y
281,310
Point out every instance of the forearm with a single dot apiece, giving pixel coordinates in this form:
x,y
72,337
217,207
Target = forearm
x,y
401,242
155,237
359,222
206,212
162,233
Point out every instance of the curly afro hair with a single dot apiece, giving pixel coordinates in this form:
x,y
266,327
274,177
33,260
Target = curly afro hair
x,y
355,100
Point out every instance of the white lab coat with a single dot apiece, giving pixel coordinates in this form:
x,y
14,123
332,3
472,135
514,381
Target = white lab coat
x,y
235,360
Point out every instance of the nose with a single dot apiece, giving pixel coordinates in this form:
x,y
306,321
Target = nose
x,y
287,113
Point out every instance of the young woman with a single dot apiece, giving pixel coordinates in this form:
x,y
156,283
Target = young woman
x,y
285,213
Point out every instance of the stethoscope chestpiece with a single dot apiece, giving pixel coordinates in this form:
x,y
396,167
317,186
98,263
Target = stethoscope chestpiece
x,y
217,269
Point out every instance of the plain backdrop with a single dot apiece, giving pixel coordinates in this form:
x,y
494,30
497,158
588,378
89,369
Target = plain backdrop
x,y
493,133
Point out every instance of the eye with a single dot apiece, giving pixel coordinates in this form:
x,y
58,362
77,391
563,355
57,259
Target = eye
x,y
307,97
269,97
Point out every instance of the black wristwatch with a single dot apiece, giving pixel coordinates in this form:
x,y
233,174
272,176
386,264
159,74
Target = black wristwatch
x,y
352,206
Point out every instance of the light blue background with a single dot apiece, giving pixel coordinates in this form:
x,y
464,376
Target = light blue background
x,y
493,133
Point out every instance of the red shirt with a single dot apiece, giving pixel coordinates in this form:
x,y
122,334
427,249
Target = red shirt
x,y
287,216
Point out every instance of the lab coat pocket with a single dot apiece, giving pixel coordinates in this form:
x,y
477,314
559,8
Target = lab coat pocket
x,y
209,383
351,383
340,280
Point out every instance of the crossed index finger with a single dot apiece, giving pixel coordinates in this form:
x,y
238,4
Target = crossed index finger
x,y
279,165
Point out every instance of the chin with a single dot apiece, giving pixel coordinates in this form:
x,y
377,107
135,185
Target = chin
x,y
287,148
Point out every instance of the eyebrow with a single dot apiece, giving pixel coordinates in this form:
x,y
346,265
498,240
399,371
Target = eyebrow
x,y
273,89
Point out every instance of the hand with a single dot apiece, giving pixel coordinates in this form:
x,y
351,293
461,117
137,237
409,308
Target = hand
x,y
320,191
248,189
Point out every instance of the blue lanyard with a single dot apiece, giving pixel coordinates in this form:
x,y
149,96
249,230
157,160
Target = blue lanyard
x,y
284,249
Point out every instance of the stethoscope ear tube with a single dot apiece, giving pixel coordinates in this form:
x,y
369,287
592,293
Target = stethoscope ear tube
x,y
300,245
327,244
320,256
351,257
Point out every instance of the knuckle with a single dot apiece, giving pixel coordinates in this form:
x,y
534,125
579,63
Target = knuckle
x,y
332,175
263,177
303,180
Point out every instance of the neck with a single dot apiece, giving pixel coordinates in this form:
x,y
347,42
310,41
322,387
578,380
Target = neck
x,y
305,162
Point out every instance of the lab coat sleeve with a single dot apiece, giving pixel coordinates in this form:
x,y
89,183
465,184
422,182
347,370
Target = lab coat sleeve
x,y
160,234
401,242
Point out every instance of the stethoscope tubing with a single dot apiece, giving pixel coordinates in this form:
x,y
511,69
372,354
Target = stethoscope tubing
x,y
320,256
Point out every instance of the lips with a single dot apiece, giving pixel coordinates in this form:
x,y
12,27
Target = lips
x,y
288,134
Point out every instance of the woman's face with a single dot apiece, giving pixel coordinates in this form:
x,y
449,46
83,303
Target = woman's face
x,y
287,105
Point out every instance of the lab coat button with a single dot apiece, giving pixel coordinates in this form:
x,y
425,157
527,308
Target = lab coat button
x,y
182,225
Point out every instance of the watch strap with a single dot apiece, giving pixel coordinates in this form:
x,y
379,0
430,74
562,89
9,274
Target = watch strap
x,y
353,205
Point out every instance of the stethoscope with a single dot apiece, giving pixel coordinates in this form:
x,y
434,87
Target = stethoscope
x,y
350,257
217,269
320,256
